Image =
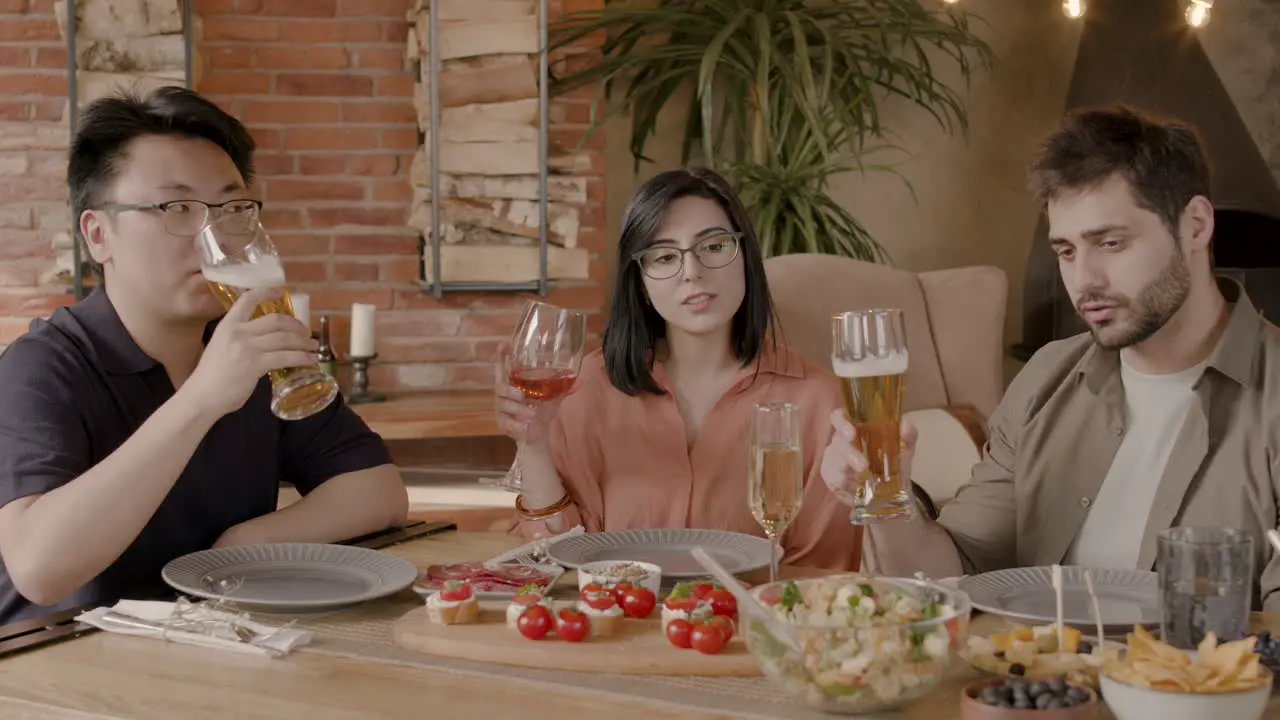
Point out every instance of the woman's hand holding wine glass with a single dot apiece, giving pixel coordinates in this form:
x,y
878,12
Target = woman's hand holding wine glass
x,y
522,415
537,370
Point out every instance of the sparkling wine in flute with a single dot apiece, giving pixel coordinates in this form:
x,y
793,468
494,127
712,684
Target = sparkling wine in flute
x,y
542,383
872,390
777,485
296,392
775,473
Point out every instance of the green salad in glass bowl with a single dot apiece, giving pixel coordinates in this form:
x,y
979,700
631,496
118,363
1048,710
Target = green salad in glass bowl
x,y
867,644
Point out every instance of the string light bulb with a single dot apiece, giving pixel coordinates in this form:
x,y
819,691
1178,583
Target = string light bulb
x,y
1073,8
951,2
1198,12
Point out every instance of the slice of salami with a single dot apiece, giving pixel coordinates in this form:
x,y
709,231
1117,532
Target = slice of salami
x,y
519,574
484,578
457,571
480,586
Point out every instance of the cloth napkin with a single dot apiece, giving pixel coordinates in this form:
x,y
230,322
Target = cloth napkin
x,y
217,633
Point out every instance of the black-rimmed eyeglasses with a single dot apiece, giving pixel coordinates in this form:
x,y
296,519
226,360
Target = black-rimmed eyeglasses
x,y
189,217
714,252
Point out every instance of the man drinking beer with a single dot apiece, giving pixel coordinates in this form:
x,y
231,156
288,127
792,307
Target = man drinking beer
x,y
1167,412
136,425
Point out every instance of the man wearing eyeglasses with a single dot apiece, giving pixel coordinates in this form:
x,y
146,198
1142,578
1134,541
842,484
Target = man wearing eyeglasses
x,y
136,424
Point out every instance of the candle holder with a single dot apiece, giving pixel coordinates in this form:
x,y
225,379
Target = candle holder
x,y
360,382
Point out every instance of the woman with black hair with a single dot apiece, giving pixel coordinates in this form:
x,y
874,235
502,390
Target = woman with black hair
x,y
656,433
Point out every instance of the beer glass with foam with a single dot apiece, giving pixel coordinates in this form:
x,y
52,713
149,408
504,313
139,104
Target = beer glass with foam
x,y
237,256
869,355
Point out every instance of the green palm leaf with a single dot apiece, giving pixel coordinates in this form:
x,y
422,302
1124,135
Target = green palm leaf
x,y
785,94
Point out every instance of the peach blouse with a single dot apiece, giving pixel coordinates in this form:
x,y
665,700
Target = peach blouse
x,y
626,463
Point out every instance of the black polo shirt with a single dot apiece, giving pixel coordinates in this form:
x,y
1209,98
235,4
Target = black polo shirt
x,y
76,386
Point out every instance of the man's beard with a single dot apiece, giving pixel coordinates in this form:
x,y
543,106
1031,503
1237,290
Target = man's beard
x,y
1154,306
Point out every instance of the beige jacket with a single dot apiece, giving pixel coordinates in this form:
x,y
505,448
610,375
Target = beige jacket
x,y
1056,431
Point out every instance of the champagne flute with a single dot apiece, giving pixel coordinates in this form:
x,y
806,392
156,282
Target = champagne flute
x,y
543,363
236,256
775,472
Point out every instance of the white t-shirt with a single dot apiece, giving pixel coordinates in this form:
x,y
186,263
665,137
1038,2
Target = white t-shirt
x,y
1155,408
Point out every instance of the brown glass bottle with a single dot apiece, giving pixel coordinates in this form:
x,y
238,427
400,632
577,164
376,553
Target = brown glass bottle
x,y
327,358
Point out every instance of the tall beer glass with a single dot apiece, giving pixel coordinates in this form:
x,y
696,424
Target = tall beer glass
x,y
869,355
238,256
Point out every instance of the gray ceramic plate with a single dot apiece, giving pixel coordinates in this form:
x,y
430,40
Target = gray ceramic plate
x,y
290,577
666,548
1125,597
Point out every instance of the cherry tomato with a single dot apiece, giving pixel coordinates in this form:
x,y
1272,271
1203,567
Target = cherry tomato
x,y
953,629
535,622
722,603
455,591
771,595
591,588
701,589
620,590
724,625
638,602
680,633
527,598
685,603
572,626
600,600
707,639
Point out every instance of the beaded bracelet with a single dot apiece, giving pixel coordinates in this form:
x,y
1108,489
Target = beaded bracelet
x,y
546,512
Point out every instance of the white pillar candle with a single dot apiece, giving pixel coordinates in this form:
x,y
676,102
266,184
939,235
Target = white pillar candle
x,y
301,307
362,330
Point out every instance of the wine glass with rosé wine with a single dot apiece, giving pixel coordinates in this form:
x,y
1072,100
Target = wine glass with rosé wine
x,y
542,362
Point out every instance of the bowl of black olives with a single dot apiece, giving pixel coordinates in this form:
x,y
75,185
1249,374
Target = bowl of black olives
x,y
1015,698
1268,649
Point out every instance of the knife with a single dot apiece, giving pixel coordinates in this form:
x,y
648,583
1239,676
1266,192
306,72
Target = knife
x,y
35,632
395,536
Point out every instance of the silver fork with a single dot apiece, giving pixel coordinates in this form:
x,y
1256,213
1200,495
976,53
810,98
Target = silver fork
x,y
249,636
246,635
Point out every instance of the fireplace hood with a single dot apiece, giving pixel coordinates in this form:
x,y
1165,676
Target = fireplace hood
x,y
1142,53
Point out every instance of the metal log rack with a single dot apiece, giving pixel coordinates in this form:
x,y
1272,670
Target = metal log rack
x,y
73,111
438,286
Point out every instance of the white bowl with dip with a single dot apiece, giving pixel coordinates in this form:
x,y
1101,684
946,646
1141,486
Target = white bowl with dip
x,y
612,572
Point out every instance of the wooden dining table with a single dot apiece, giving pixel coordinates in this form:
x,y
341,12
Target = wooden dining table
x,y
105,675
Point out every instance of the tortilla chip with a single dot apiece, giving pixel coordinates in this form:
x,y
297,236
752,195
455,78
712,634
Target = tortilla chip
x,y
1218,667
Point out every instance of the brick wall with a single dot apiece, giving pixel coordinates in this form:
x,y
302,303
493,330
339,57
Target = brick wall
x,y
33,142
324,88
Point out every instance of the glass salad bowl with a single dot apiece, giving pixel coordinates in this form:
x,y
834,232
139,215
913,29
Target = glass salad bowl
x,y
867,644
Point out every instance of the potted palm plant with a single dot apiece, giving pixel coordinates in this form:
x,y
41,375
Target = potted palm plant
x,y
784,94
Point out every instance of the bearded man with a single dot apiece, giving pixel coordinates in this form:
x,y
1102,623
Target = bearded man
x,y
1165,413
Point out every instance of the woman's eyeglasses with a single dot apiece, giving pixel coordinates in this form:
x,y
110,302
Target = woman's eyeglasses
x,y
663,262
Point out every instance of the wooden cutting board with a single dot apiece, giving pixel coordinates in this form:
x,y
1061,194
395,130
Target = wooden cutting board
x,y
638,648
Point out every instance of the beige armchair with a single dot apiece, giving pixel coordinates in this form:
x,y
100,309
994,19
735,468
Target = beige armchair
x,y
955,330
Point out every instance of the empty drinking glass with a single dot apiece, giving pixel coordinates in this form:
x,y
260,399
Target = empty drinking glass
x,y
1206,584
